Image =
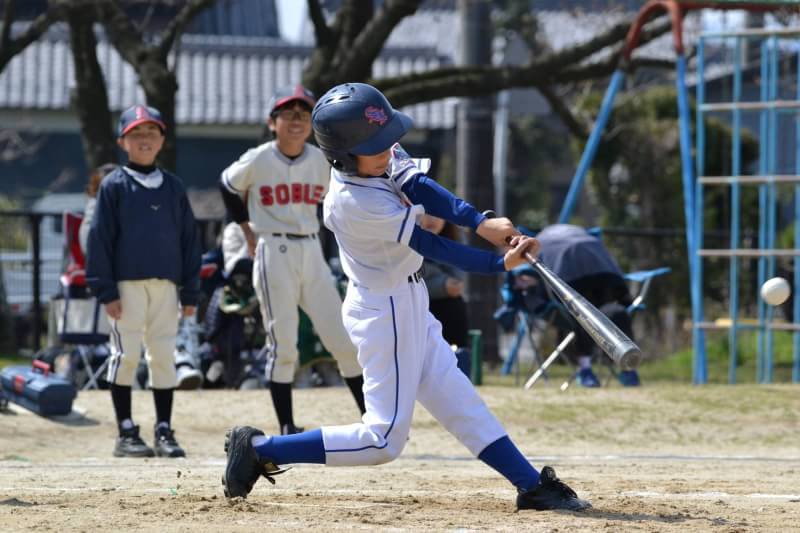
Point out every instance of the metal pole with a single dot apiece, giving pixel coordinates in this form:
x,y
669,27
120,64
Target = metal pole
x,y
500,163
700,367
736,170
699,210
591,147
474,142
795,298
762,212
36,312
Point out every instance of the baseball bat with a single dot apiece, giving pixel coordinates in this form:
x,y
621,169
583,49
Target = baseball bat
x,y
621,349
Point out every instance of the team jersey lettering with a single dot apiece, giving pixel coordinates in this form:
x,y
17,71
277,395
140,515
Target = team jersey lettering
x,y
295,193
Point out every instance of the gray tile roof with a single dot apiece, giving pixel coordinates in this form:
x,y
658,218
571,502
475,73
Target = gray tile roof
x,y
222,80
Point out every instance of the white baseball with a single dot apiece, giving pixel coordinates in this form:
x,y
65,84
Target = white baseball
x,y
775,291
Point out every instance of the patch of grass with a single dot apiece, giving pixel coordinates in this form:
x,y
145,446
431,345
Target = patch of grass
x,y
13,359
678,366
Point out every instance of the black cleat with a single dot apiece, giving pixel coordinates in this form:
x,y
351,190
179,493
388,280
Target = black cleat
x,y
551,493
291,429
129,444
165,443
244,466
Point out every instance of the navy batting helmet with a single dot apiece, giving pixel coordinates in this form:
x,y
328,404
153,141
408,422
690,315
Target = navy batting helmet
x,y
356,119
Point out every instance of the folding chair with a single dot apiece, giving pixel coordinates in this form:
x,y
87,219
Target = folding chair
x,y
643,278
80,321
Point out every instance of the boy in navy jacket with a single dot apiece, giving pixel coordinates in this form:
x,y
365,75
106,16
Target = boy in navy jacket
x,y
143,265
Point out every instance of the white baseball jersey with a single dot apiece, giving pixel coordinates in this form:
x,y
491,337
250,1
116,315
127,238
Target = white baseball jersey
x,y
282,193
400,344
289,269
373,220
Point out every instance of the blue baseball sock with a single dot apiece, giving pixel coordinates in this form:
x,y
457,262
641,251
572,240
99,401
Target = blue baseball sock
x,y
506,458
305,447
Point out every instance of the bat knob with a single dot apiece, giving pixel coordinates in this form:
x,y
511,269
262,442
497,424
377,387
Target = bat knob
x,y
489,214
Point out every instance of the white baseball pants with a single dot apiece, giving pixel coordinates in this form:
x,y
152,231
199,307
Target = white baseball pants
x,y
405,359
149,316
291,272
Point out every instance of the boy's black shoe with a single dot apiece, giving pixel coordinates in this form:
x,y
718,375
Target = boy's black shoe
x,y
550,493
165,443
129,444
244,466
291,429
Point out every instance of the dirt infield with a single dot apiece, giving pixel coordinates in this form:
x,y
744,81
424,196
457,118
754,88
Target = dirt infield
x,y
662,458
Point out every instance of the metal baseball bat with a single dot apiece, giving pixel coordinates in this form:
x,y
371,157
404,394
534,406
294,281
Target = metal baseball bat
x,y
621,349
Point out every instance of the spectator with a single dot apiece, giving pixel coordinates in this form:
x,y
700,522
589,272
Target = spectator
x,y
91,192
446,287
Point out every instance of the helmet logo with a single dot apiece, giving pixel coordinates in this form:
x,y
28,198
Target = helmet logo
x,y
375,114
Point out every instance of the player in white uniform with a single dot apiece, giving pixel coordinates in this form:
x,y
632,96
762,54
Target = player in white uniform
x,y
283,181
377,195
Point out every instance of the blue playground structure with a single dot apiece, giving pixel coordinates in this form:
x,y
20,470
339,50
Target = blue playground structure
x,y
773,102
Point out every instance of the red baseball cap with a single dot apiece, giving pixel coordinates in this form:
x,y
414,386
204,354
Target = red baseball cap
x,y
139,114
285,95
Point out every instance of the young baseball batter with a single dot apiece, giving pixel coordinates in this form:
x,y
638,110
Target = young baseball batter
x,y
283,181
144,258
376,197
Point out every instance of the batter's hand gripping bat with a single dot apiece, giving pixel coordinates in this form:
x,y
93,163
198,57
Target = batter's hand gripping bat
x,y
622,350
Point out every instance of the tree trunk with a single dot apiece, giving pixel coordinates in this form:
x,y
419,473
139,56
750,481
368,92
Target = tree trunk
x,y
160,87
89,98
474,166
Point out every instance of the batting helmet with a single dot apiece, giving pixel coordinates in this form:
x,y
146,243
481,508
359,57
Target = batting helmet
x,y
356,119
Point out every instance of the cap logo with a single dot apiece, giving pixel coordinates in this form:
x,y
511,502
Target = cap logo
x,y
141,112
375,114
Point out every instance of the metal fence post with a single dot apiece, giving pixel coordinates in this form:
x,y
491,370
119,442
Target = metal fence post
x,y
36,312
476,340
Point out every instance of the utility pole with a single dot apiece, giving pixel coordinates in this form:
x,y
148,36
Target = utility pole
x,y
474,142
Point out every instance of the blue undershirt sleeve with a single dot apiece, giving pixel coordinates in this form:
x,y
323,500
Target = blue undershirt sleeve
x,y
453,253
440,202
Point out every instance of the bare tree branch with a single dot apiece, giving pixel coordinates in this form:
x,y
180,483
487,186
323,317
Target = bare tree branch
x,y
560,108
123,34
356,62
355,15
8,19
179,23
322,32
10,47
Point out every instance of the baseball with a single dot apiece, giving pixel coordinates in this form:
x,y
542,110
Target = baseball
x,y
775,291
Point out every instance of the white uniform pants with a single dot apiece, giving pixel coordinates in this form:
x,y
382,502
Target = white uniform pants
x,y
291,272
405,358
149,314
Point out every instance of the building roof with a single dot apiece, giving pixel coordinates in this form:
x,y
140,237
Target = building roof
x,y
222,79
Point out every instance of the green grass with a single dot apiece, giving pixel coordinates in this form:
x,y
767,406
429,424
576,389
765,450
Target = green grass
x,y
677,367
13,359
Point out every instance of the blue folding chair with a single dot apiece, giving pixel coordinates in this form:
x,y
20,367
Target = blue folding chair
x,y
641,278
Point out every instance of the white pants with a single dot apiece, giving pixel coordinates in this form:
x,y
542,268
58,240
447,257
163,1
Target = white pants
x,y
405,358
288,273
149,314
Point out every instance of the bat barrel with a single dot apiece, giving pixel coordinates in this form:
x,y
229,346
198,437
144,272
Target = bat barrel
x,y
619,347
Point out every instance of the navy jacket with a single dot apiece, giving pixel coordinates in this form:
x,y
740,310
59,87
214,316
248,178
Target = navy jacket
x,y
139,233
